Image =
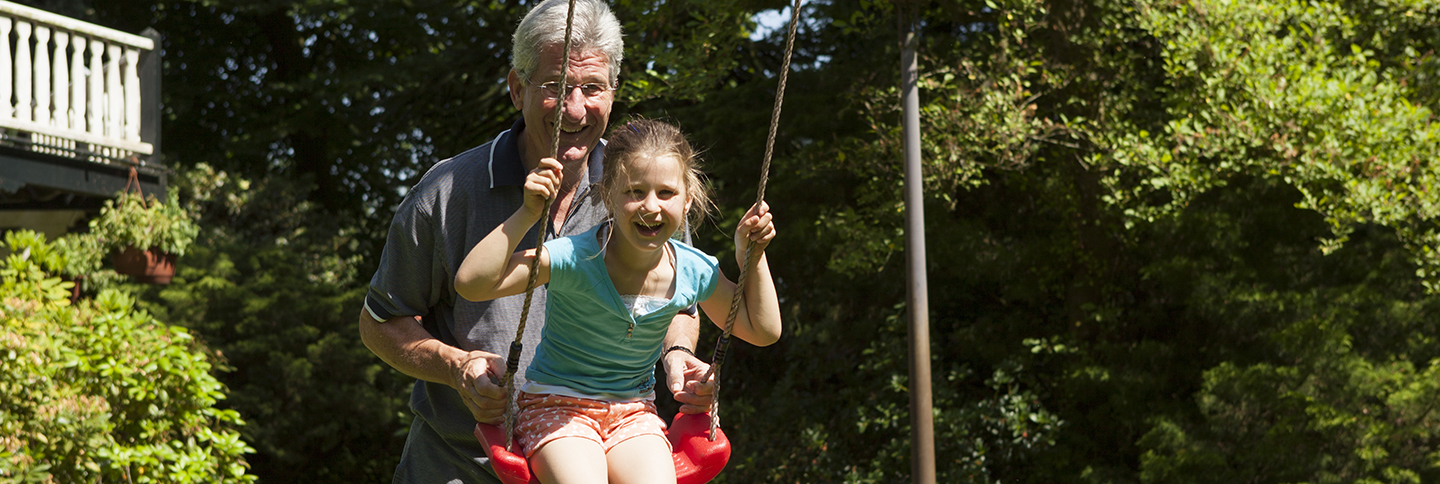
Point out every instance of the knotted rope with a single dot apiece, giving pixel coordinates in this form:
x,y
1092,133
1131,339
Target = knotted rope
x,y
723,344
512,363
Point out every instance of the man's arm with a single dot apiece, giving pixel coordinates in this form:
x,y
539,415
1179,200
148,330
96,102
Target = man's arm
x,y
683,370
404,344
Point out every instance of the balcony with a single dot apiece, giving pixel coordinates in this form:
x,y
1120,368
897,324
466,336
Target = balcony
x,y
79,108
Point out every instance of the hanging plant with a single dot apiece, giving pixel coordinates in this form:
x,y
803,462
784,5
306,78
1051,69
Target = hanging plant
x,y
144,235
132,220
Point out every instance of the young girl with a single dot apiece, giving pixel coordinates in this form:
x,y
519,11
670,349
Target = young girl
x,y
587,411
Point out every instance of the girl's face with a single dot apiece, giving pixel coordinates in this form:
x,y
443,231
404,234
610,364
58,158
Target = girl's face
x,y
651,205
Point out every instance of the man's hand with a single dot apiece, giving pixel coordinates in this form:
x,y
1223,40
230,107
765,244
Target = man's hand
x,y
682,375
403,343
476,378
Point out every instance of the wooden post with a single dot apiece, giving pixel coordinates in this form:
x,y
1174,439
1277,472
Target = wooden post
x,y
922,420
149,70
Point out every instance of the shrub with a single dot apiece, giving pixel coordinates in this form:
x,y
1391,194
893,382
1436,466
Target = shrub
x,y
100,391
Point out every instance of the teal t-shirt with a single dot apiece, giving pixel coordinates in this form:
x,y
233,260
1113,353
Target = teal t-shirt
x,y
588,344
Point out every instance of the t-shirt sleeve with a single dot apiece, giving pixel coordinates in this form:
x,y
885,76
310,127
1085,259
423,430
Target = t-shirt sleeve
x,y
410,278
562,263
708,277
684,235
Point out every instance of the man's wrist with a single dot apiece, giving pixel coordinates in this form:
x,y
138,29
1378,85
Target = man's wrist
x,y
677,348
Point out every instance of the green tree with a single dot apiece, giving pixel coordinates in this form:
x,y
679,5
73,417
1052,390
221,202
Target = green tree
x,y
1113,233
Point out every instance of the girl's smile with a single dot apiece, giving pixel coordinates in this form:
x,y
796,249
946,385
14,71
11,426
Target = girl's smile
x,y
649,229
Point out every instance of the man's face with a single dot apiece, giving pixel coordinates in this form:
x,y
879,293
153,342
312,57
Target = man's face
x,y
583,119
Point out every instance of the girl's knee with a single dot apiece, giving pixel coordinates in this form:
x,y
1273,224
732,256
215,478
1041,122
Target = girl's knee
x,y
643,458
568,460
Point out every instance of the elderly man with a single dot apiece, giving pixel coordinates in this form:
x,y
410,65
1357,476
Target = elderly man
x,y
414,320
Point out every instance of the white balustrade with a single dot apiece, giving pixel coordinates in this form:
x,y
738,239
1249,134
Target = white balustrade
x,y
115,109
23,98
67,85
97,89
61,77
6,88
132,91
75,118
41,68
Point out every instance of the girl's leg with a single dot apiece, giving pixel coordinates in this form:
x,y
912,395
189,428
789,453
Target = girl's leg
x,y
644,459
570,460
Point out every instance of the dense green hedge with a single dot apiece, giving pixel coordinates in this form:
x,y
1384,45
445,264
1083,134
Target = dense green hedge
x,y
99,391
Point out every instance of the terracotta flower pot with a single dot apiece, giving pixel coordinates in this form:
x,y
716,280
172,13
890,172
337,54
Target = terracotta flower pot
x,y
148,266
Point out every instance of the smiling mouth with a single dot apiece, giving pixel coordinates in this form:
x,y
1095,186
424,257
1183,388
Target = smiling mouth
x,y
649,229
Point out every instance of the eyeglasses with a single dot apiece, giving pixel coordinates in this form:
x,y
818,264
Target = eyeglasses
x,y
551,89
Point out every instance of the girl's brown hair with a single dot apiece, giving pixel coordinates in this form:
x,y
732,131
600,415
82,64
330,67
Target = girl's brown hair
x,y
649,139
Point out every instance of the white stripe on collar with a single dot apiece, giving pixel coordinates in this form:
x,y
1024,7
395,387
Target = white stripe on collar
x,y
491,165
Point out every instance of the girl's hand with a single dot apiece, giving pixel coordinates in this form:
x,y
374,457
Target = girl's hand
x,y
758,226
540,185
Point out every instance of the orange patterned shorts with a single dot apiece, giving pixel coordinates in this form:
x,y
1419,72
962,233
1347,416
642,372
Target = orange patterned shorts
x,y
544,418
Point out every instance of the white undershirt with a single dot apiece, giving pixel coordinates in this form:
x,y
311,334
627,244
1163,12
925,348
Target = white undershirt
x,y
640,305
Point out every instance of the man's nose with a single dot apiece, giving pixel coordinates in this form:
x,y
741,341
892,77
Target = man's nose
x,y
575,103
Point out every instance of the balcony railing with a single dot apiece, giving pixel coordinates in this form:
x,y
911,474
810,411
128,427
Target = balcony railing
x,y
73,89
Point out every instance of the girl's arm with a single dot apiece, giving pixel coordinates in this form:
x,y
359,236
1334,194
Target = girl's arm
x,y
493,269
758,321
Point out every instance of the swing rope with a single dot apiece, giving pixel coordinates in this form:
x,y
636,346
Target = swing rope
x,y
723,345
512,364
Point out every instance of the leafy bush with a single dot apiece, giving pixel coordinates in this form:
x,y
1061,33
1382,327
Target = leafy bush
x,y
102,392
82,254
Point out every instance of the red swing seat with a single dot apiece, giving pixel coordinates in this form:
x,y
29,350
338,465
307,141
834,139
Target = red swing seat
x,y
697,459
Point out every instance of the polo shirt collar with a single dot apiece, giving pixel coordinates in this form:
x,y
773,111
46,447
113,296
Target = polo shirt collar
x,y
506,168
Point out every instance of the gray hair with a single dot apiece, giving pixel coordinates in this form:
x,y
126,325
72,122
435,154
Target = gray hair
x,y
595,29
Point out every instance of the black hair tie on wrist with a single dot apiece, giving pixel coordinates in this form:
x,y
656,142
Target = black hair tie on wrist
x,y
678,348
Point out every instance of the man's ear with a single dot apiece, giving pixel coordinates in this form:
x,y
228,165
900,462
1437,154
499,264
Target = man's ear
x,y
517,96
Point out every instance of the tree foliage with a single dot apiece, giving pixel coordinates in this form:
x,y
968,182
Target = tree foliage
x,y
1157,232
1169,240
